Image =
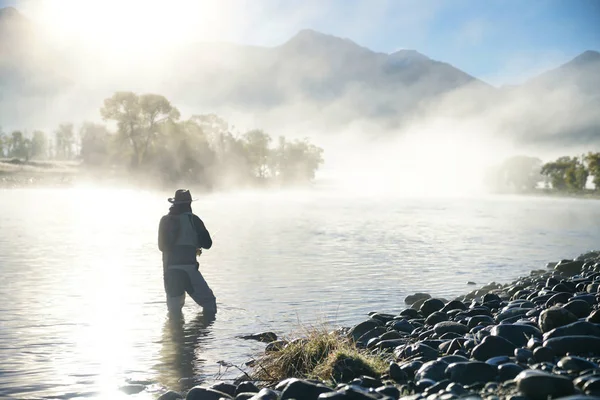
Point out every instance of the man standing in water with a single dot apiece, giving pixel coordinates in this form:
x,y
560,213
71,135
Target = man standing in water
x,y
181,237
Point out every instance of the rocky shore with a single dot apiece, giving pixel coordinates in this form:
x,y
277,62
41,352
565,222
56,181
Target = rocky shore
x,y
535,338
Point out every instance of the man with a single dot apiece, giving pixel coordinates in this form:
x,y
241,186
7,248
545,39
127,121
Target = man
x,y
181,237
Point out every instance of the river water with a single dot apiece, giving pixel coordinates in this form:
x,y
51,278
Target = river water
x,y
83,313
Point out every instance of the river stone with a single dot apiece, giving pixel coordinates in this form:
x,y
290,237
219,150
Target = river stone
x,y
511,313
389,391
594,317
357,331
579,308
301,389
579,328
277,345
575,345
495,361
413,298
559,298
467,373
430,306
392,335
436,317
170,395
224,387
541,385
448,326
408,313
555,317
402,326
517,334
454,305
423,384
575,364
523,355
569,268
592,385
265,337
543,354
492,346
479,319
508,371
246,387
373,333
397,373
434,370
266,394
202,393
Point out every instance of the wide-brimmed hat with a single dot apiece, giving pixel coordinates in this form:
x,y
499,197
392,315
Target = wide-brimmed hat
x,y
181,196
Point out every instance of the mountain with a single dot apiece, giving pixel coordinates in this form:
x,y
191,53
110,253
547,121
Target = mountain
x,y
313,82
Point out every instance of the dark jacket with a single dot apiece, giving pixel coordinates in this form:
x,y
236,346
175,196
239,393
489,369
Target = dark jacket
x,y
168,231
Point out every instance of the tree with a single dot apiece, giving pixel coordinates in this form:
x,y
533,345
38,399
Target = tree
x,y
566,173
64,141
3,143
593,163
39,145
16,147
257,143
138,119
297,161
94,143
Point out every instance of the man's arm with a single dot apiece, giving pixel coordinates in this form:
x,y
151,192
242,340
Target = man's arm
x,y
161,234
204,238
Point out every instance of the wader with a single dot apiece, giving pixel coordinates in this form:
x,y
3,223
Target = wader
x,y
181,278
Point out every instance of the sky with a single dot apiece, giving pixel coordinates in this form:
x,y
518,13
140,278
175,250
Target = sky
x,y
501,42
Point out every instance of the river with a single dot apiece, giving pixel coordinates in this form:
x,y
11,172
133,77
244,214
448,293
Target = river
x,y
83,312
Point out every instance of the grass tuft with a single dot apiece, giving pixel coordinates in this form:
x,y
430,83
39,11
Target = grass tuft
x,y
319,354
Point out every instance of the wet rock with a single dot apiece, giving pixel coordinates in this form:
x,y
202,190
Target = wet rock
x,y
348,393
417,349
246,387
381,317
434,370
508,371
534,342
575,364
559,298
265,337
555,317
496,361
388,390
367,382
301,389
402,326
517,334
170,395
413,298
203,393
244,396
396,373
266,394
357,331
479,320
594,317
408,313
492,346
522,354
392,335
441,385
579,308
373,333
454,305
569,268
224,387
511,313
579,328
575,345
592,386
430,306
436,317
450,327
423,384
543,354
541,385
453,359
467,373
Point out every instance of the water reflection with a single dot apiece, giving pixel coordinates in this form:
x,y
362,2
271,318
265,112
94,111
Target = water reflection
x,y
181,360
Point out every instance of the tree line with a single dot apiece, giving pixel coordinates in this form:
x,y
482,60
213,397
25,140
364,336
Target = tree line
x,y
565,174
146,134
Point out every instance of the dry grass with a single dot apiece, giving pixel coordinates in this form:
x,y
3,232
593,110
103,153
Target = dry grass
x,y
319,354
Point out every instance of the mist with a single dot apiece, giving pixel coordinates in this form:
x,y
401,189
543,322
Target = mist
x,y
400,122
